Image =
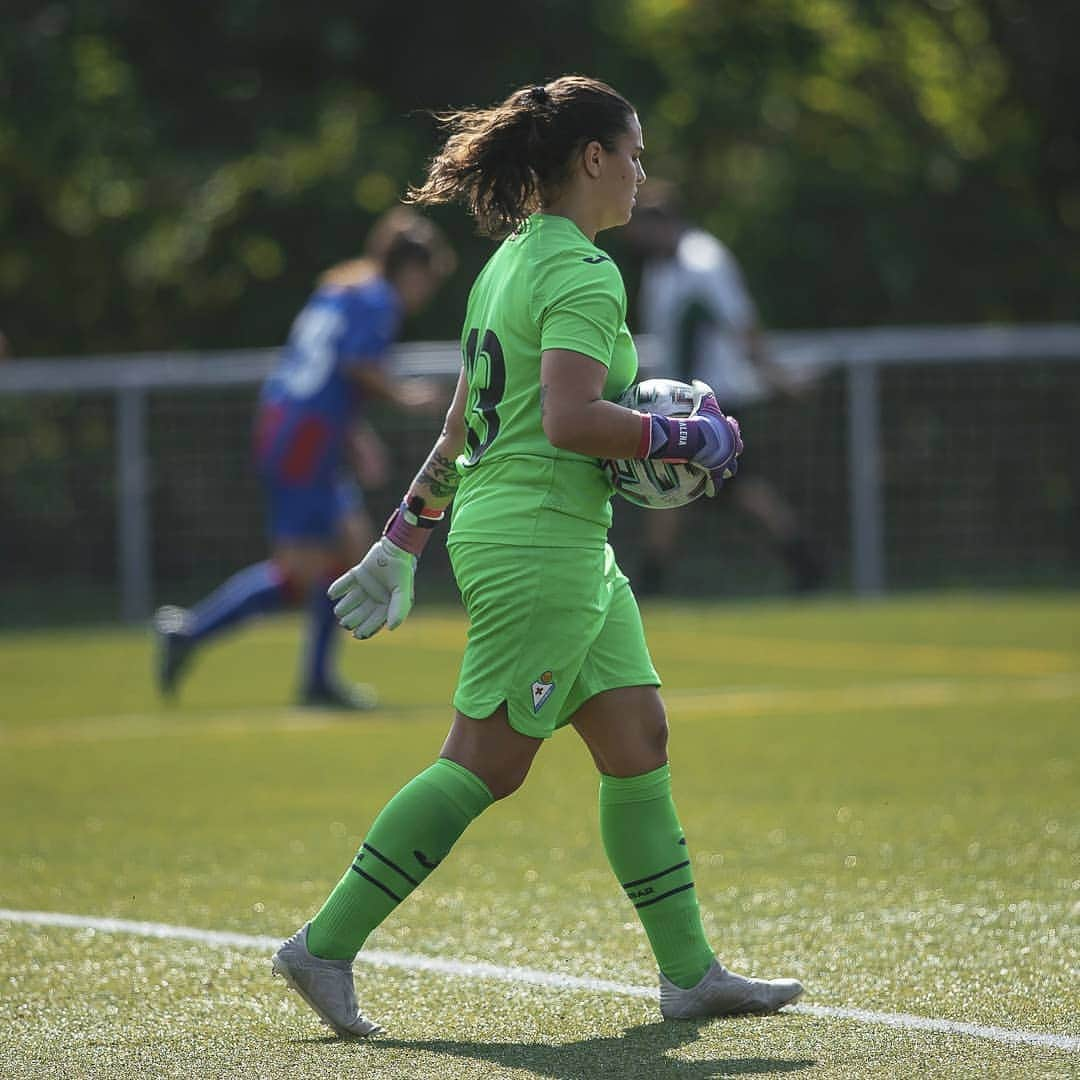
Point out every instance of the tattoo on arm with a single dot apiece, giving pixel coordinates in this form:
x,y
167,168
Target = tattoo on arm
x,y
543,398
440,476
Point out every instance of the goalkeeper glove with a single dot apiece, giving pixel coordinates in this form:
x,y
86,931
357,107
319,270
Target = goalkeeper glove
x,y
707,438
378,591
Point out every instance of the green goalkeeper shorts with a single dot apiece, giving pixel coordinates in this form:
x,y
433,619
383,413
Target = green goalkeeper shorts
x,y
549,628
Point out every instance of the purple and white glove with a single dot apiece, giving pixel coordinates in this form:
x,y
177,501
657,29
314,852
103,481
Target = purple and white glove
x,y
708,438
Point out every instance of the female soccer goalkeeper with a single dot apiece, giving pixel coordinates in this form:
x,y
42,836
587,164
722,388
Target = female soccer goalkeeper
x,y
555,636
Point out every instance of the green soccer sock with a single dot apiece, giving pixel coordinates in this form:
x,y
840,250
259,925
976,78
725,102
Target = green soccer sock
x,y
412,834
647,850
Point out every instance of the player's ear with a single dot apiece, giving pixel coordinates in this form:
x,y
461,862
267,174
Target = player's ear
x,y
592,158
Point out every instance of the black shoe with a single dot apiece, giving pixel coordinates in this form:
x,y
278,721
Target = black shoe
x,y
354,697
175,647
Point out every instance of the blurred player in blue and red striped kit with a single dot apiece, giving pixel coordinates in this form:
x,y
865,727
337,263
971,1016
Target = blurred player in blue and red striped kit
x,y
309,430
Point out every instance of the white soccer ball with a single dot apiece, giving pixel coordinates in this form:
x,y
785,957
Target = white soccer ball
x,y
660,485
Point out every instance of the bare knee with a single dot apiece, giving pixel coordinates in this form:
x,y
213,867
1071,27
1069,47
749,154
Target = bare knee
x,y
625,730
505,780
646,746
492,750
654,737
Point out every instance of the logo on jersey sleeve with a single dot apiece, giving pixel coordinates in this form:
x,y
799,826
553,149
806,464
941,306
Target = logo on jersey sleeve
x,y
542,690
594,259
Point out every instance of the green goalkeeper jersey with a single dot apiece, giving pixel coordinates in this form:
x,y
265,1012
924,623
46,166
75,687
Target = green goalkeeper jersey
x,y
546,287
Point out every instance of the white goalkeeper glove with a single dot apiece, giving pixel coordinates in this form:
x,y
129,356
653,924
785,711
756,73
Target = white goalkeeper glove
x,y
377,591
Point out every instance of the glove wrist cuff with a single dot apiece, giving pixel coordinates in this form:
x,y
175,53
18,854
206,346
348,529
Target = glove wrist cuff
x,y
647,439
410,526
674,438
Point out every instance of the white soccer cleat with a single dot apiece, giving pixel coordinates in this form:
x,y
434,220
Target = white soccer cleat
x,y
326,985
723,993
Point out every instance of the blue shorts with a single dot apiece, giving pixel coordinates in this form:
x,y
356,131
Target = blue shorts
x,y
311,511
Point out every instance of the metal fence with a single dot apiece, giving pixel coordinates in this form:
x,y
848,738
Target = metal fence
x,y
921,455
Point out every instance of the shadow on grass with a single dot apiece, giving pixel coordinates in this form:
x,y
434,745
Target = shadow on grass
x,y
639,1051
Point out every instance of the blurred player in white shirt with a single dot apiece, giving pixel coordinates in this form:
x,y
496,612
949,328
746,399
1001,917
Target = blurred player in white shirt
x,y
695,304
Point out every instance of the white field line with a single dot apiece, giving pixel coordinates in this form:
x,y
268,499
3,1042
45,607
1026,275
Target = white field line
x,y
526,976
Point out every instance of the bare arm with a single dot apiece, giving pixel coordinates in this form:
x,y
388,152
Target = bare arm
x,y
437,481
369,456
416,394
378,591
774,374
574,413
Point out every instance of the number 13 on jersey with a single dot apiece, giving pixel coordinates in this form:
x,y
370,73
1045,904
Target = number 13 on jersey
x,y
485,372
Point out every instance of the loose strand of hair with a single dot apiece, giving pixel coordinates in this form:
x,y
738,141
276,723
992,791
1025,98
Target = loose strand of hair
x,y
476,166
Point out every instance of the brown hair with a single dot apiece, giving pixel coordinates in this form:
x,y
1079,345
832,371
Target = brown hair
x,y
501,162
400,237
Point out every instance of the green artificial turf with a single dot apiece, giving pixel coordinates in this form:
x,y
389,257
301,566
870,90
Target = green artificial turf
x,y
880,798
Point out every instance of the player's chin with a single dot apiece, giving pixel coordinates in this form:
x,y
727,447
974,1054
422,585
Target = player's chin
x,y
620,218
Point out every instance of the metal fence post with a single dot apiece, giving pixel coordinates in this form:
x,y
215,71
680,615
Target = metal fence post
x,y
864,479
132,503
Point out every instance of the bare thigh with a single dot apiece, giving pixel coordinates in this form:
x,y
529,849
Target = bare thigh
x,y
314,562
492,750
356,534
625,730
306,562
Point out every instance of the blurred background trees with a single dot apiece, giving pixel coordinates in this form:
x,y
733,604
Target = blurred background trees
x,y
175,175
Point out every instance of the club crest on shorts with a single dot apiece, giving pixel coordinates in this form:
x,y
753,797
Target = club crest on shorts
x,y
541,690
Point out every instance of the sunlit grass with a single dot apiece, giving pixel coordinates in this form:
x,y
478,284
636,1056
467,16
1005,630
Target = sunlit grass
x,y
880,799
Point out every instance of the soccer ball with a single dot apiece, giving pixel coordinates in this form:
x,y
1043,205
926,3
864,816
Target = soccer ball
x,y
660,485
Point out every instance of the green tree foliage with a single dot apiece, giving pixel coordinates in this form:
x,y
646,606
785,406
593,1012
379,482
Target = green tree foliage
x,y
174,175
878,161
